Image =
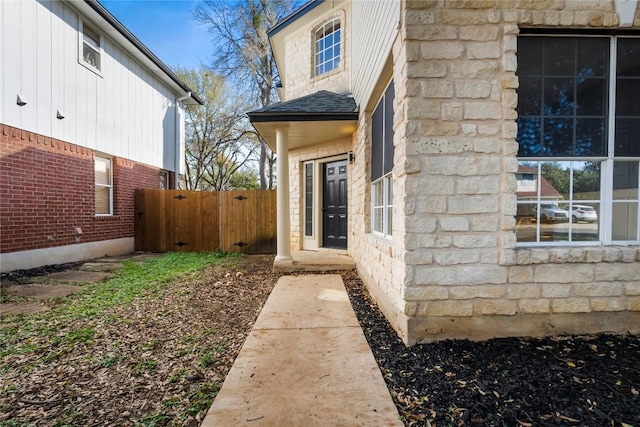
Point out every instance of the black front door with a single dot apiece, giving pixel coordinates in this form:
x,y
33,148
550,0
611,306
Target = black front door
x,y
334,205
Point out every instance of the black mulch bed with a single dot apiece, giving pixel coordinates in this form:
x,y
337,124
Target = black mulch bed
x,y
560,381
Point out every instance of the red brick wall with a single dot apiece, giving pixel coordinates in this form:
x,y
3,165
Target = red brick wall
x,y
47,190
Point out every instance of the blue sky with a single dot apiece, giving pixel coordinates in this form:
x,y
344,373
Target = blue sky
x,y
166,27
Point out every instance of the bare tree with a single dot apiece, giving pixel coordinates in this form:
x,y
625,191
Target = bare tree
x,y
239,30
219,139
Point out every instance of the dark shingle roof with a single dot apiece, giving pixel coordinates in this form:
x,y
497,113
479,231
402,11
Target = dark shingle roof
x,y
322,105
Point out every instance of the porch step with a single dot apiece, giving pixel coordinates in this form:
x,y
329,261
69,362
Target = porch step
x,y
315,261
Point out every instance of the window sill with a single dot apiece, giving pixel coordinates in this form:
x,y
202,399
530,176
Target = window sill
x,y
568,255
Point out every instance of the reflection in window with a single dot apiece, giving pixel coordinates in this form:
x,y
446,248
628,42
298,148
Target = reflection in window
x,y
563,135
103,186
562,204
90,47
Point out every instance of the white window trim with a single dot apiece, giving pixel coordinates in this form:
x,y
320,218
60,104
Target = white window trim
x,y
110,186
315,64
81,45
387,202
607,164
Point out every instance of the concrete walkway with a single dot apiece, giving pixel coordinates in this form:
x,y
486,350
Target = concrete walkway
x,y
305,363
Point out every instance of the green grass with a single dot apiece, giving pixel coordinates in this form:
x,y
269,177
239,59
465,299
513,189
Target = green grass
x,y
52,333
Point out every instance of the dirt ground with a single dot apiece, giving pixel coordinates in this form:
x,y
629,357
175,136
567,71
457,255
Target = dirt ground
x,y
159,361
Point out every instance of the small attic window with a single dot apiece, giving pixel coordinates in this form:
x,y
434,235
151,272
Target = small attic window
x,y
90,48
327,47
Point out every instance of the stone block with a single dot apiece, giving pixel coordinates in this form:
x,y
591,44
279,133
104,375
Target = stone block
x,y
454,223
470,4
417,223
476,69
418,257
462,17
479,33
571,305
565,273
442,128
484,223
495,307
456,257
597,289
437,89
558,255
426,293
480,291
421,109
452,111
424,69
592,255
469,129
482,110
442,50
608,304
534,306
632,288
617,271
460,275
436,186
484,50
420,17
486,145
473,88
431,32
431,204
554,290
539,256
634,304
521,274
445,308
478,185
469,204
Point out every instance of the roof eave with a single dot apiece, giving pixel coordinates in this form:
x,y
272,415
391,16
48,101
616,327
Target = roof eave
x,y
124,32
300,117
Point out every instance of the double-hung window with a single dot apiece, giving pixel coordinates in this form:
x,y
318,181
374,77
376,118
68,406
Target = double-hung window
x,y
90,50
327,47
103,186
382,164
579,140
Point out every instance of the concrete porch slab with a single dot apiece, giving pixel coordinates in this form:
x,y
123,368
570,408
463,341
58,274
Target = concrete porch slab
x,y
305,363
315,261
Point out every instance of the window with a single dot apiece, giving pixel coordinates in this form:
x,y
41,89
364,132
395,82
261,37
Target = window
x,y
308,199
90,50
382,163
327,47
577,114
104,186
164,180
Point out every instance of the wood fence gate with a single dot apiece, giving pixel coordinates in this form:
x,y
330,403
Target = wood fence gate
x,y
198,221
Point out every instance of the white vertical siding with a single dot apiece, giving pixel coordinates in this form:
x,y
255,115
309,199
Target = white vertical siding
x,y
375,26
125,110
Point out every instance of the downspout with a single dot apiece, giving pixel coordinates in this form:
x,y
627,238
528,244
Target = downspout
x,y
178,150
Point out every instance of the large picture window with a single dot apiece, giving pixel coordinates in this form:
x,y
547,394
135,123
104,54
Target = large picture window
x,y
103,186
382,163
327,47
578,130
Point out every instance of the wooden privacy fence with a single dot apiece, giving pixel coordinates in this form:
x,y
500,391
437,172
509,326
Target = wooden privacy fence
x,y
198,221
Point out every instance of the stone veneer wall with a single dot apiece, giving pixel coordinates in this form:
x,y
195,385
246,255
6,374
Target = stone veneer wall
x,y
299,48
453,269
